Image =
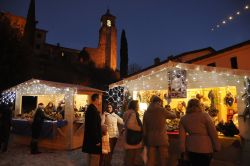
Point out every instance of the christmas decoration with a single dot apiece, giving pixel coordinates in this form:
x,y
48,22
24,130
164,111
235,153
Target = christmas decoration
x,y
246,98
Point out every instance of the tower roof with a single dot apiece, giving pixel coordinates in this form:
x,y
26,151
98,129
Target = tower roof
x,y
107,15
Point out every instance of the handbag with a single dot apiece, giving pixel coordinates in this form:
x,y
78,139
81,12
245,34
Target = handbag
x,y
132,137
183,162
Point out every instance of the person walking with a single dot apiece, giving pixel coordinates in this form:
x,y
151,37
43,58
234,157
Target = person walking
x,y
155,134
133,152
92,142
202,138
111,121
36,127
5,120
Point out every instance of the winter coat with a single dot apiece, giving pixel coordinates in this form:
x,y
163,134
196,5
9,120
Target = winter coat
x,y
154,125
112,120
38,121
5,121
131,123
92,131
202,136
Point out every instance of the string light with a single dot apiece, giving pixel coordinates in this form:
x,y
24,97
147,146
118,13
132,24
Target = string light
x,y
230,18
38,88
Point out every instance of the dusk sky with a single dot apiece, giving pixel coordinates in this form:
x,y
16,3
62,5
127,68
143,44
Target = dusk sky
x,y
154,28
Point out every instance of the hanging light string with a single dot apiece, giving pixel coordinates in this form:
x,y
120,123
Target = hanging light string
x,y
33,88
230,18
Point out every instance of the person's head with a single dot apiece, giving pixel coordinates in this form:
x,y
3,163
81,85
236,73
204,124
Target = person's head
x,y
180,105
49,105
133,105
109,108
95,99
194,105
156,100
40,105
199,96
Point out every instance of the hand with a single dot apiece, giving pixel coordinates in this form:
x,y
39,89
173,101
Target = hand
x,y
99,144
122,131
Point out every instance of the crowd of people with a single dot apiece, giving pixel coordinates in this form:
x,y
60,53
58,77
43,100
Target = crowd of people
x,y
198,135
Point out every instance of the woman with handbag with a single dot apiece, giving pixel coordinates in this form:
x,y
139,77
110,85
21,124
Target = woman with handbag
x,y
198,136
133,136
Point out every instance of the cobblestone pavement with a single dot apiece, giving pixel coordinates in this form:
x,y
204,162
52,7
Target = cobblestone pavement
x,y
19,155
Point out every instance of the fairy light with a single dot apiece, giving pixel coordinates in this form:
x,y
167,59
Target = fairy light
x,y
230,18
36,88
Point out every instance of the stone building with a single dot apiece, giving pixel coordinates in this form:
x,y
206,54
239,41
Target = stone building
x,y
104,56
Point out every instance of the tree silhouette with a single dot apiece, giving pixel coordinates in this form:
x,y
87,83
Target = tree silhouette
x,y
123,55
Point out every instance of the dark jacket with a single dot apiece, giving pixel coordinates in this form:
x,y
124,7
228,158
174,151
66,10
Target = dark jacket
x,y
38,122
5,121
92,131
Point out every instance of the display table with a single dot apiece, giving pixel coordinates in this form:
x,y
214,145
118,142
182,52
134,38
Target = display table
x,y
49,130
53,134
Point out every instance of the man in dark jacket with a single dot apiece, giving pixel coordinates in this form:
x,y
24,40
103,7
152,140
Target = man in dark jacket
x,y
5,120
37,125
92,143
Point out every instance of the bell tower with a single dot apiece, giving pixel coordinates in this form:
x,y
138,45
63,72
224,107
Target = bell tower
x,y
108,40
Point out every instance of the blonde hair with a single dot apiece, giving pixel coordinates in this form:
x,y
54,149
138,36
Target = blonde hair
x,y
194,105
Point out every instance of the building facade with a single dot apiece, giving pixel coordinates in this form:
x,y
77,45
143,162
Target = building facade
x,y
104,56
234,57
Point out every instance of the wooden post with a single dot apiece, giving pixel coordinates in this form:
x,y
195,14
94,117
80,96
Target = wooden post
x,y
18,103
69,116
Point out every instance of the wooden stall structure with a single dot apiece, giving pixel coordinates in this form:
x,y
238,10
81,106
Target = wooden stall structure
x,y
184,81
221,88
76,98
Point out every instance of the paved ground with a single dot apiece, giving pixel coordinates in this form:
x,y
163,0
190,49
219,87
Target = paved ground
x,y
19,155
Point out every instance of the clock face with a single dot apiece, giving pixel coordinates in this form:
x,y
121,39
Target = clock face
x,y
109,23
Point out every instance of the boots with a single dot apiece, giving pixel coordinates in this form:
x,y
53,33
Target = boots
x,y
34,147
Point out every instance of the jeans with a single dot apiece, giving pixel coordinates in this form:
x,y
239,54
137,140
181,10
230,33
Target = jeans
x,y
198,159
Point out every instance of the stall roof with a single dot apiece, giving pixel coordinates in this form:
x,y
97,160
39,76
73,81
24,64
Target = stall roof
x,y
57,85
186,66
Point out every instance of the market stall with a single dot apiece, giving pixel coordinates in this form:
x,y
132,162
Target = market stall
x,y
65,103
220,90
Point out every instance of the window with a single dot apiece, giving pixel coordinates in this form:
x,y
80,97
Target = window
x,y
212,64
234,63
28,103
